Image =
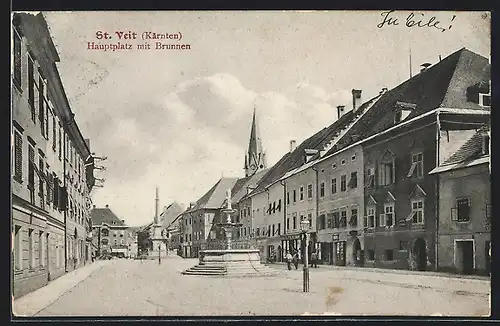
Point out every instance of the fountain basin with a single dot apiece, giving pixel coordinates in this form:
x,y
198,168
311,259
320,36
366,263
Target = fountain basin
x,y
231,262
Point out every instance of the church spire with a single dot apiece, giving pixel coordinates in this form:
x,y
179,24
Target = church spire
x,y
255,159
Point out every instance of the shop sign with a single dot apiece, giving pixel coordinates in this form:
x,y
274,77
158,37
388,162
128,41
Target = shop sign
x,y
291,237
335,237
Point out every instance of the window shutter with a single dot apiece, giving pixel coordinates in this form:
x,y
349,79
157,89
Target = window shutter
x,y
454,214
382,220
18,148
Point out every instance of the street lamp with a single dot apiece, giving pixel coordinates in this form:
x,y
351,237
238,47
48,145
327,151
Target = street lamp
x,y
304,225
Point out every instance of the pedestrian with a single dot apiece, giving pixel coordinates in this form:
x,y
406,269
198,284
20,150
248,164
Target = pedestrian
x,y
314,259
296,260
289,260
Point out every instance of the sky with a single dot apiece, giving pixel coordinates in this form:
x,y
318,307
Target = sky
x,y
180,120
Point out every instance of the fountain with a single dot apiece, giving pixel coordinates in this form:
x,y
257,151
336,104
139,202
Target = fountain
x,y
230,262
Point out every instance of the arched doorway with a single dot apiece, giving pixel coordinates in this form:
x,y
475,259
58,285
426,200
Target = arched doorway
x,y
420,254
356,253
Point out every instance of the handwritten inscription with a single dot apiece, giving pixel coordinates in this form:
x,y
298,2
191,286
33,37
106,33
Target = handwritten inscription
x,y
126,38
414,20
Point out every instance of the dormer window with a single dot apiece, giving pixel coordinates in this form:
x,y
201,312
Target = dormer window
x,y
485,98
403,110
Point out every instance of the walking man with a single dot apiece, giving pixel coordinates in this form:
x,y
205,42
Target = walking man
x,y
289,260
314,259
296,260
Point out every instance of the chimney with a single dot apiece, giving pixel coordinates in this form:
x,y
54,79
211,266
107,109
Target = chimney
x,y
340,111
293,145
94,206
424,66
356,99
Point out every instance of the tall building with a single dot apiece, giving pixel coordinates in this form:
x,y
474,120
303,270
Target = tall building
x,y
255,159
52,173
110,234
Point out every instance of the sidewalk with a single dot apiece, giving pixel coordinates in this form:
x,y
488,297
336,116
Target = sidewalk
x,y
397,271
33,302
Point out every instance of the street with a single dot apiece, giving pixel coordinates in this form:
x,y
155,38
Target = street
x,y
146,288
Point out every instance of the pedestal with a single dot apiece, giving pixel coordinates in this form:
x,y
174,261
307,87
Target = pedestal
x,y
159,249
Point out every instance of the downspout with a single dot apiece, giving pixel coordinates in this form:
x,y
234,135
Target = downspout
x,y
438,149
268,228
315,169
66,202
284,217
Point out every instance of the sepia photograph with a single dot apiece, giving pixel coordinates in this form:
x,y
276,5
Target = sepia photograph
x,y
250,163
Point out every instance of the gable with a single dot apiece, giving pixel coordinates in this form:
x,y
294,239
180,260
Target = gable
x,y
388,156
390,198
418,192
371,201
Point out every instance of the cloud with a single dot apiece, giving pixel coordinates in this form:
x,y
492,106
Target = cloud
x,y
183,141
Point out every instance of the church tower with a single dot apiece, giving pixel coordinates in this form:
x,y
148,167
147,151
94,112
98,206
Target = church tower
x,y
255,158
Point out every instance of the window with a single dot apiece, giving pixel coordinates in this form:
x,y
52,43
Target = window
x,y
294,216
31,172
59,138
273,229
334,166
31,87
417,207
403,245
41,173
336,219
389,255
310,219
342,162
294,195
334,185
16,77
370,178
41,253
41,103
353,182
322,189
463,209
354,217
353,158
343,218
115,242
18,156
343,182
18,247
322,221
386,171
329,221
388,215
54,133
105,232
122,242
371,255
309,191
301,193
371,217
31,248
288,197
417,166
288,223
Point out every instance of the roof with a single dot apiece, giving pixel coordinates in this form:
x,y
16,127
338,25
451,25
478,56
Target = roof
x,y
214,198
441,85
170,213
323,139
105,215
239,190
472,149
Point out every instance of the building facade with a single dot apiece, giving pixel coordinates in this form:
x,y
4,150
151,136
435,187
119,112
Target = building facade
x,y
464,230
51,183
111,235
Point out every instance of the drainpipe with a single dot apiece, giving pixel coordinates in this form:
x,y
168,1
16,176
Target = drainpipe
x,y
284,214
65,210
315,169
438,148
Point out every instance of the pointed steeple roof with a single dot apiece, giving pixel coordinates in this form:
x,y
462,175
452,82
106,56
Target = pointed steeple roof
x,y
255,159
